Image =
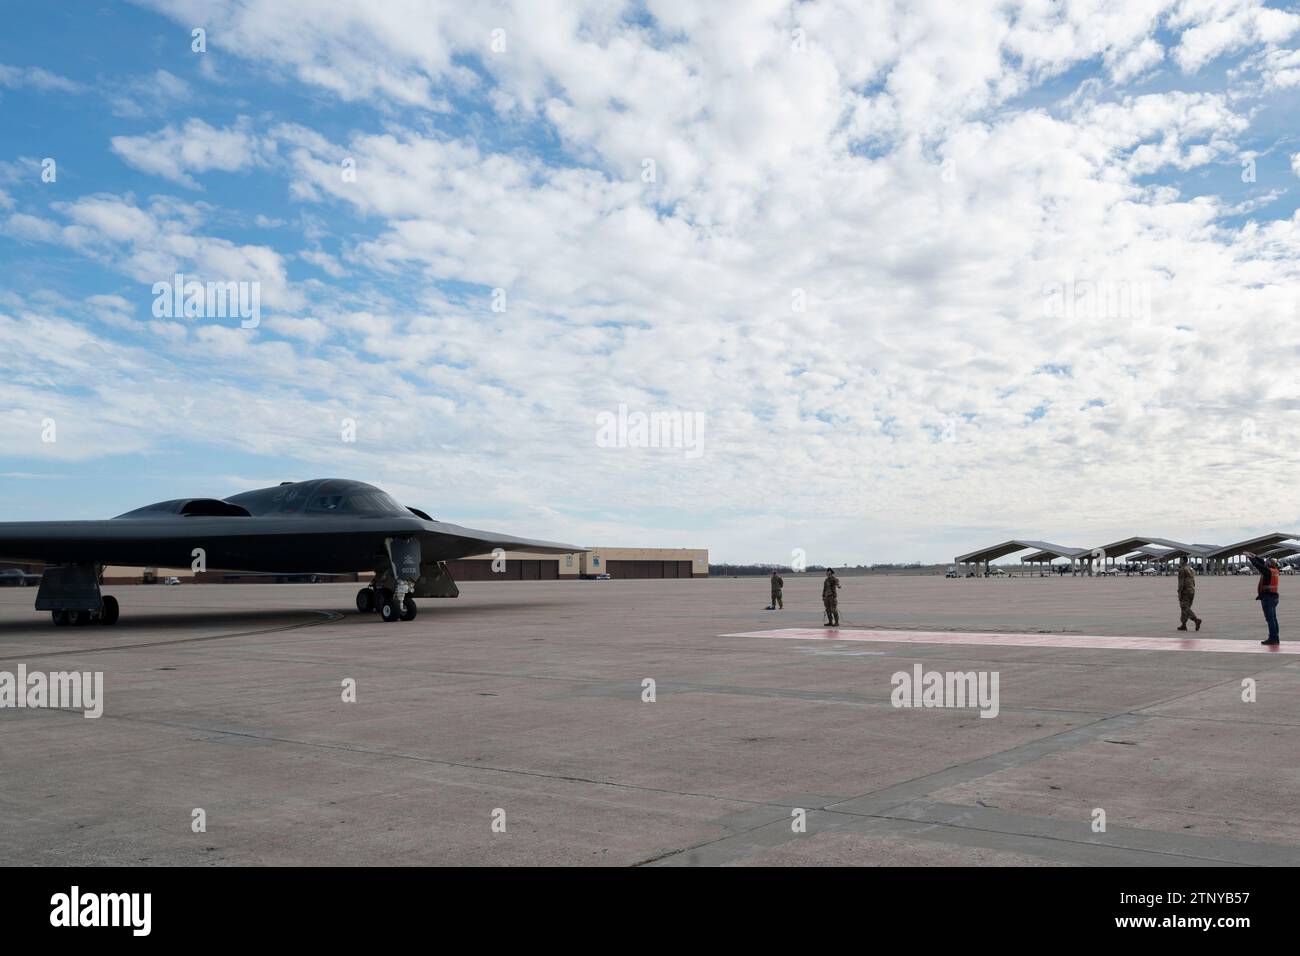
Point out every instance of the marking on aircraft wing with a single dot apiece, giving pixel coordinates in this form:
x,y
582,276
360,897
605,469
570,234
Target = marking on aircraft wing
x,y
1083,642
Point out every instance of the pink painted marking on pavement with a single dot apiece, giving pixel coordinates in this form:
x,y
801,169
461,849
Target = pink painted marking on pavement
x,y
1218,645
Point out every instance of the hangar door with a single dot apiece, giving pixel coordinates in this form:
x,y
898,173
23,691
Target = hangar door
x,y
649,569
516,569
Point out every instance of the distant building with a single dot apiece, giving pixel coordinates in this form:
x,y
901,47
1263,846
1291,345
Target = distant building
x,y
647,562
616,562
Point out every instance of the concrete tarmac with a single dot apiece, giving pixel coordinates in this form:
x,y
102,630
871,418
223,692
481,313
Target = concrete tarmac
x,y
521,703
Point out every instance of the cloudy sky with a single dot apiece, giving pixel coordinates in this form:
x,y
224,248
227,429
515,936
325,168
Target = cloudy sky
x,y
930,274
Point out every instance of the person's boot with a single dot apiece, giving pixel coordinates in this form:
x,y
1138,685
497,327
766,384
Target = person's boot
x,y
1181,627
1271,640
1198,623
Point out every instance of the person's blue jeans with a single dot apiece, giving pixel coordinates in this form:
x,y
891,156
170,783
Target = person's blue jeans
x,y
1269,602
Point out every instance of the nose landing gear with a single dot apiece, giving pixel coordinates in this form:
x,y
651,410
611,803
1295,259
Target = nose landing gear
x,y
393,608
387,604
389,610
396,580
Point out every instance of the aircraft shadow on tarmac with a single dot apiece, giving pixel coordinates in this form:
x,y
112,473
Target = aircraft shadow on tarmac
x,y
155,619
171,621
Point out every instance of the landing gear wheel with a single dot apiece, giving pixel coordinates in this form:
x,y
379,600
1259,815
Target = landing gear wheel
x,y
389,612
60,618
79,618
409,609
366,600
108,615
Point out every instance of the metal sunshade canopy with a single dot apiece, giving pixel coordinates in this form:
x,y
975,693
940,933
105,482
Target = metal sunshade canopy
x,y
1011,547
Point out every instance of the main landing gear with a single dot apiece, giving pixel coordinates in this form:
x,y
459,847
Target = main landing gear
x,y
106,615
386,603
71,594
390,594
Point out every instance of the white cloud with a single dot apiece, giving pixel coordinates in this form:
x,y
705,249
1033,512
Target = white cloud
x,y
1281,68
1211,28
929,284
152,95
1135,61
338,46
195,147
323,261
151,244
112,310
36,78
31,228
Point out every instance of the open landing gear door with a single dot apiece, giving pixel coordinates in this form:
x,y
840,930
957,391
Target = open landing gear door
x,y
435,582
71,595
73,588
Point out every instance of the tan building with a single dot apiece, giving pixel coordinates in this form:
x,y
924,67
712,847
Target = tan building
x,y
616,562
647,562
516,566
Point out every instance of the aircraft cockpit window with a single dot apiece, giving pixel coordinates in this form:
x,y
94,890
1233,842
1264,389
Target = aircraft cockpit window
x,y
360,503
375,503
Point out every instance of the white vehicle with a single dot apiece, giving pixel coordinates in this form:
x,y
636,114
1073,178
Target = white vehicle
x,y
172,581
1147,571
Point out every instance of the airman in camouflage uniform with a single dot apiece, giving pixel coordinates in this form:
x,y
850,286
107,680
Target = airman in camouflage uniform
x,y
777,584
1187,594
830,599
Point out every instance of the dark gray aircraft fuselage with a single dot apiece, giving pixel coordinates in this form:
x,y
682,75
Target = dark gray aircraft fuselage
x,y
327,525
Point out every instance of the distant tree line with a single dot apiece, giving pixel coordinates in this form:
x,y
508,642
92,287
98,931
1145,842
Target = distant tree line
x,y
754,570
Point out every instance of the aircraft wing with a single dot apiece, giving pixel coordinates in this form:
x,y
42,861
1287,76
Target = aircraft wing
x,y
163,542
334,543
447,542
